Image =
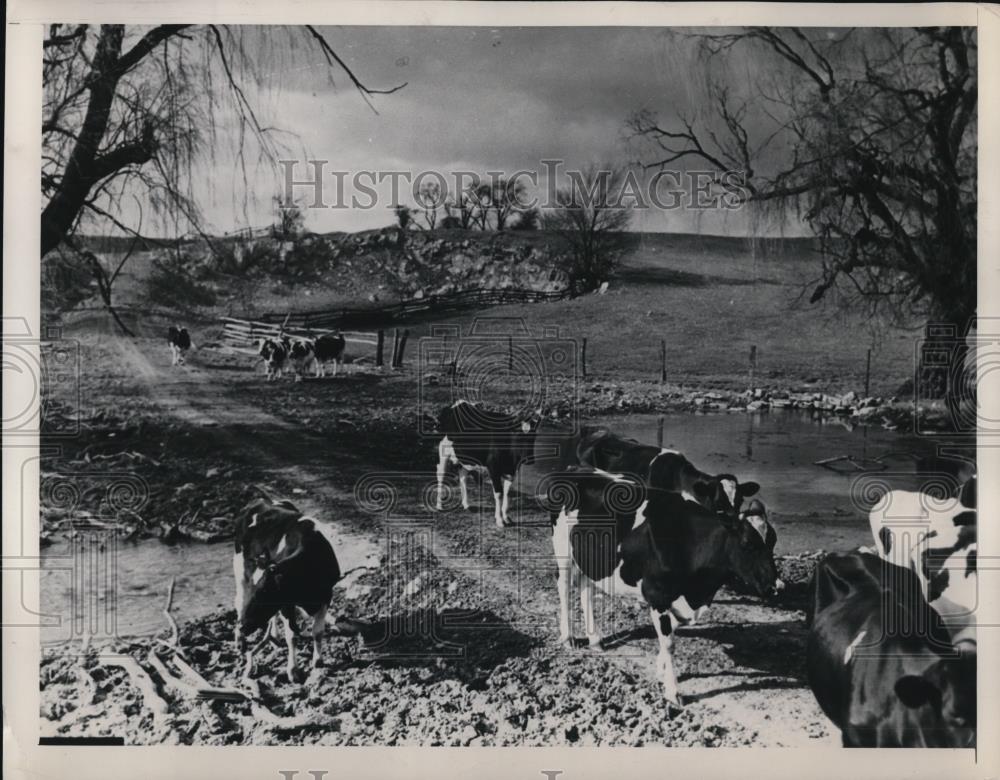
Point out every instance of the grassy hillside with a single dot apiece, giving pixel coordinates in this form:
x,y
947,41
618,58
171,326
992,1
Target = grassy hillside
x,y
709,298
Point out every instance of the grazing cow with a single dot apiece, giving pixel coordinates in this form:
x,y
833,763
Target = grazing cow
x,y
275,354
881,663
328,348
281,561
474,437
180,342
937,540
611,533
663,469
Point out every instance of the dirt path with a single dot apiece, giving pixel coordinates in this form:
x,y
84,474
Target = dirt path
x,y
741,671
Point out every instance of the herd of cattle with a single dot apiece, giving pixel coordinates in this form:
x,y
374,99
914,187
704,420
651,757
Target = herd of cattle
x,y
891,647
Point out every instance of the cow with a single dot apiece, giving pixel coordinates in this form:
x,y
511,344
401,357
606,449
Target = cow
x,y
275,354
880,661
179,341
301,355
937,539
328,348
475,438
610,532
664,469
281,561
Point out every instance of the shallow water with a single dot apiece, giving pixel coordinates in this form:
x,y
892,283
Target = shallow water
x,y
812,506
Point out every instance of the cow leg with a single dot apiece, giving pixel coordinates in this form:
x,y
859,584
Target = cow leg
x,y
665,623
318,627
587,589
293,671
560,546
441,466
496,480
463,484
238,599
506,500
336,366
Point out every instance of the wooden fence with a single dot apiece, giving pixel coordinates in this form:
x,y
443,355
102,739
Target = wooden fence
x,y
360,317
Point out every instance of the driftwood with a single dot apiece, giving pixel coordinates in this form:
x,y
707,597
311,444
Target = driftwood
x,y
141,680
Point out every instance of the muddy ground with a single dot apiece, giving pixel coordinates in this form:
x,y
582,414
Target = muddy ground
x,y
456,618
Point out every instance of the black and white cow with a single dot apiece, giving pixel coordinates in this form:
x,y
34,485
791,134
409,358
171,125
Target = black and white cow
x,y
275,355
179,341
664,469
880,661
281,562
476,438
611,533
936,538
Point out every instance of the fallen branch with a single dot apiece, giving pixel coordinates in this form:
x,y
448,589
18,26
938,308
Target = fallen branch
x,y
141,680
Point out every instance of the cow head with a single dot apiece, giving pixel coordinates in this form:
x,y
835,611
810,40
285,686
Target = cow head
x,y
948,689
262,591
724,493
751,549
300,350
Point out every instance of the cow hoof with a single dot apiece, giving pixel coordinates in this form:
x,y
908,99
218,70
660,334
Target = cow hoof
x,y
674,708
295,675
465,506
567,642
597,646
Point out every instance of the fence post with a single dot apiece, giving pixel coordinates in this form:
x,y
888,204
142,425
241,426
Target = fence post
x,y
659,432
380,348
663,360
395,347
402,348
583,358
510,354
868,374
753,364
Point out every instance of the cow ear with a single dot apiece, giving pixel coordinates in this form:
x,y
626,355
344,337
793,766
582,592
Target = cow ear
x,y
915,691
748,489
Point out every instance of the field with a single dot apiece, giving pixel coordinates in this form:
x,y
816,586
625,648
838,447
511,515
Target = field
x,y
448,631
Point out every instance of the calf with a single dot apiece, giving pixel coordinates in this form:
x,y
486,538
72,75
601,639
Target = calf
x,y
611,533
474,437
937,540
663,469
275,354
881,663
179,341
281,561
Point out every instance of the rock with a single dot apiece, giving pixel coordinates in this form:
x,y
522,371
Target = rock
x,y
755,406
603,288
418,295
372,297
212,472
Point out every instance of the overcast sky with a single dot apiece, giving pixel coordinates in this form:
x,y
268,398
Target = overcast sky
x,y
476,99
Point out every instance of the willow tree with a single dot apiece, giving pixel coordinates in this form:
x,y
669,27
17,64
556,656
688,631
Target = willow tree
x,y
868,135
130,115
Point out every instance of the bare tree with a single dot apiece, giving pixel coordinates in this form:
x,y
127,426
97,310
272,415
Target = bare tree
x,y
461,209
481,201
290,220
505,198
429,200
591,220
129,111
870,135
